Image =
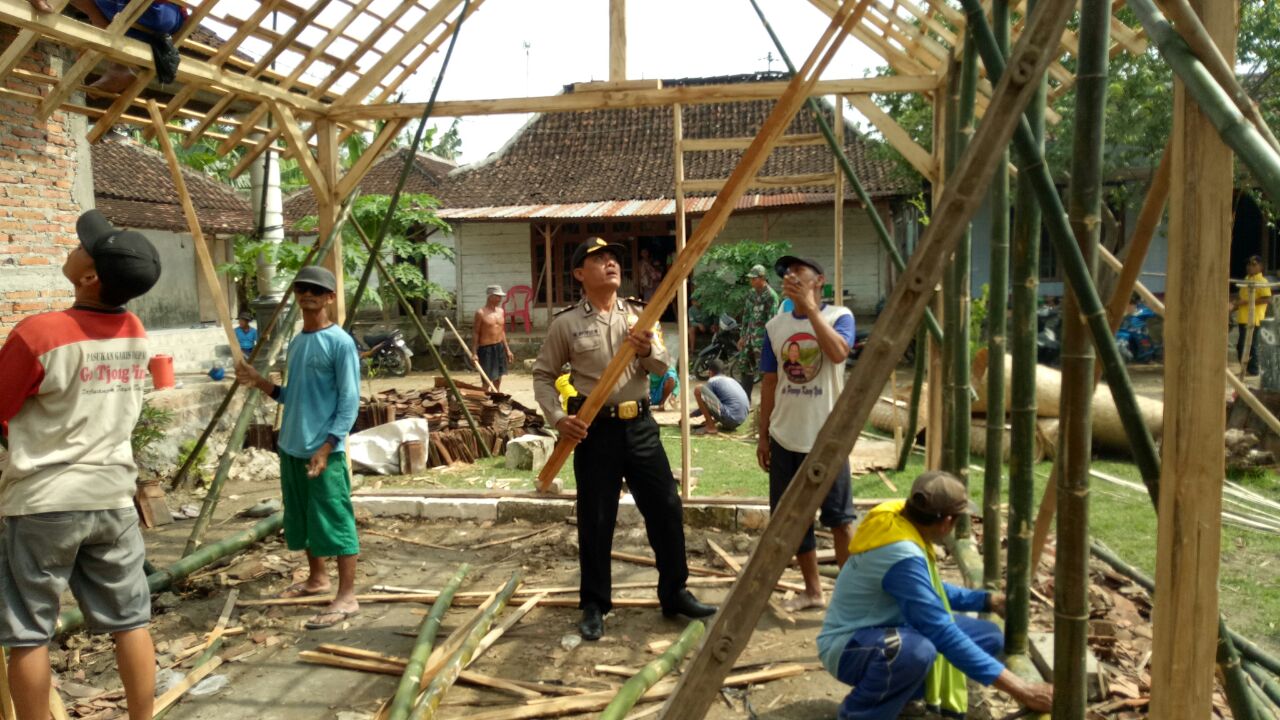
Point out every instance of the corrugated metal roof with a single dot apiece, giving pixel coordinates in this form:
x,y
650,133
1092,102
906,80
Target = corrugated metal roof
x,y
660,207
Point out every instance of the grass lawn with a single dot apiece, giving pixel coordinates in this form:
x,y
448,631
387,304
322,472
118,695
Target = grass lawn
x,y
1121,518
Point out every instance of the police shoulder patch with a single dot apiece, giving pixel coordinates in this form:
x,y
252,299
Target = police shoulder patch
x,y
636,301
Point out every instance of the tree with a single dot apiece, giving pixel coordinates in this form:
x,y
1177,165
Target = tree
x,y
719,280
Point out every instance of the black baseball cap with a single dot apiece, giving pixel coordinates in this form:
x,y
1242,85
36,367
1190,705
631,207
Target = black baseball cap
x,y
596,244
785,262
316,275
127,264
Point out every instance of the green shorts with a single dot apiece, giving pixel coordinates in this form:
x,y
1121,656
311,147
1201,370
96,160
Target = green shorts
x,y
318,516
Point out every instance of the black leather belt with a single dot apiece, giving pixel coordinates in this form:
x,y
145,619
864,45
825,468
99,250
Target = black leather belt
x,y
629,410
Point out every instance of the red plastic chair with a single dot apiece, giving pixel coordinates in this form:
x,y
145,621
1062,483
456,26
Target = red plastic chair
x,y
517,304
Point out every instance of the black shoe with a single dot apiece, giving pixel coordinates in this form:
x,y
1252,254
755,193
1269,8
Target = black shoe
x,y
592,625
687,605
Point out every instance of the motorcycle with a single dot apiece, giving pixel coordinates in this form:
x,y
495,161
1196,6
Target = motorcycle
x,y
1048,335
384,352
1137,343
723,347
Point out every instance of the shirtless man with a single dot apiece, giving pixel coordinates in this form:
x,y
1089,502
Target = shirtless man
x,y
490,336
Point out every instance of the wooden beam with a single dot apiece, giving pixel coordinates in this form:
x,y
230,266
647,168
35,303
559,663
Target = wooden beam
x,y
128,51
617,40
1189,535
761,181
682,305
89,60
667,96
23,43
742,143
302,153
732,626
207,269
897,137
355,175
615,85
411,39
329,207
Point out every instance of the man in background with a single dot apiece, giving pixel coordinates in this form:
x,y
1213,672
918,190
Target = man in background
x,y
489,336
762,304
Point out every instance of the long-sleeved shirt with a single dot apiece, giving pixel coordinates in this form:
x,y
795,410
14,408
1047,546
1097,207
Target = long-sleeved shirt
x,y
323,394
890,586
587,339
71,385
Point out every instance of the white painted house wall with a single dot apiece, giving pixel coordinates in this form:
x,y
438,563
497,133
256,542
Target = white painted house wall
x,y
499,253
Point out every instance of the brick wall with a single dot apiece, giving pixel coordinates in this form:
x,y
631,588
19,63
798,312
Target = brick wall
x,y
44,186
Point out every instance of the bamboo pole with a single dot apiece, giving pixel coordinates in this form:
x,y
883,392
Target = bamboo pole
x,y
961,266
946,423
411,681
1071,571
470,355
448,674
731,627
917,386
997,308
1236,132
1188,25
1025,281
211,498
650,674
682,307
71,619
405,305
714,220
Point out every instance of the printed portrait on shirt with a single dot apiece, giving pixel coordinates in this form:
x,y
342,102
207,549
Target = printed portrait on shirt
x,y
801,358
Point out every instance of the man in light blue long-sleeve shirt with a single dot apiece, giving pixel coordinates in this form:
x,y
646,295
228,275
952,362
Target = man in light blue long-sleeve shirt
x,y
890,629
320,406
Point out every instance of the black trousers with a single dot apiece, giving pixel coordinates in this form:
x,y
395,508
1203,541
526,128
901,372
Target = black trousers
x,y
631,449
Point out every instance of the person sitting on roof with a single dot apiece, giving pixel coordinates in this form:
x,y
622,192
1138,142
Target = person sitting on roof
x,y
891,631
159,21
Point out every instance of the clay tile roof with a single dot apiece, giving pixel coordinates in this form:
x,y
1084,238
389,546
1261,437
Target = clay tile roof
x,y
625,155
133,188
425,176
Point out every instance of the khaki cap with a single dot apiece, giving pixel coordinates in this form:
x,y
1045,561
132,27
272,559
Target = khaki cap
x,y
940,493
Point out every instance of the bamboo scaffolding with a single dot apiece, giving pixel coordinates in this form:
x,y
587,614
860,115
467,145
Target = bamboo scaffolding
x,y
950,298
211,498
1075,446
997,308
714,220
917,387
411,681
958,343
731,627
650,674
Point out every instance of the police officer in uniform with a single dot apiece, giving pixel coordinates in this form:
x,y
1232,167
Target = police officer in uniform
x,y
623,439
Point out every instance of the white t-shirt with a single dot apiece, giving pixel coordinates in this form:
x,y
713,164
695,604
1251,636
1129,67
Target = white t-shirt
x,y
808,382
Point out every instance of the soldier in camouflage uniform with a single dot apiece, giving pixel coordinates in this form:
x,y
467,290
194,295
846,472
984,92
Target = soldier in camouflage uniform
x,y
762,304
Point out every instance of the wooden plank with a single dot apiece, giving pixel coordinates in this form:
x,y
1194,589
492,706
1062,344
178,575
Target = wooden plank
x,y
682,306
89,60
742,143
777,181
207,268
175,693
1189,535
670,95
731,627
410,39
68,31
616,85
617,40
897,137
307,163
328,207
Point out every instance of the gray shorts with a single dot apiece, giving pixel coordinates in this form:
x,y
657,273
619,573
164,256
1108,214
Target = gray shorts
x,y
99,553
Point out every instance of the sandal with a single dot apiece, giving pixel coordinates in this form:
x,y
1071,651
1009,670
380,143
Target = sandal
x,y
329,618
298,590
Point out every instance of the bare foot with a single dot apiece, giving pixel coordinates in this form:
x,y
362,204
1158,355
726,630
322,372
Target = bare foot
x,y
804,601
298,590
115,80
40,6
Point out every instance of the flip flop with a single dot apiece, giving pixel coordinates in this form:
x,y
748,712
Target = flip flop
x,y
316,623
299,589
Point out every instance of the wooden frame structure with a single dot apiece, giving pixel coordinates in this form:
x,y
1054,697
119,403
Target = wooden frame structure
x,y
320,71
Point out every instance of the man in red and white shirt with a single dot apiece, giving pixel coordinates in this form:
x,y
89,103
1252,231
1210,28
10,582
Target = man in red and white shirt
x,y
72,384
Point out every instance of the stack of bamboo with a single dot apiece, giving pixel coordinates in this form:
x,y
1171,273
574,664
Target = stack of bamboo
x,y
445,447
